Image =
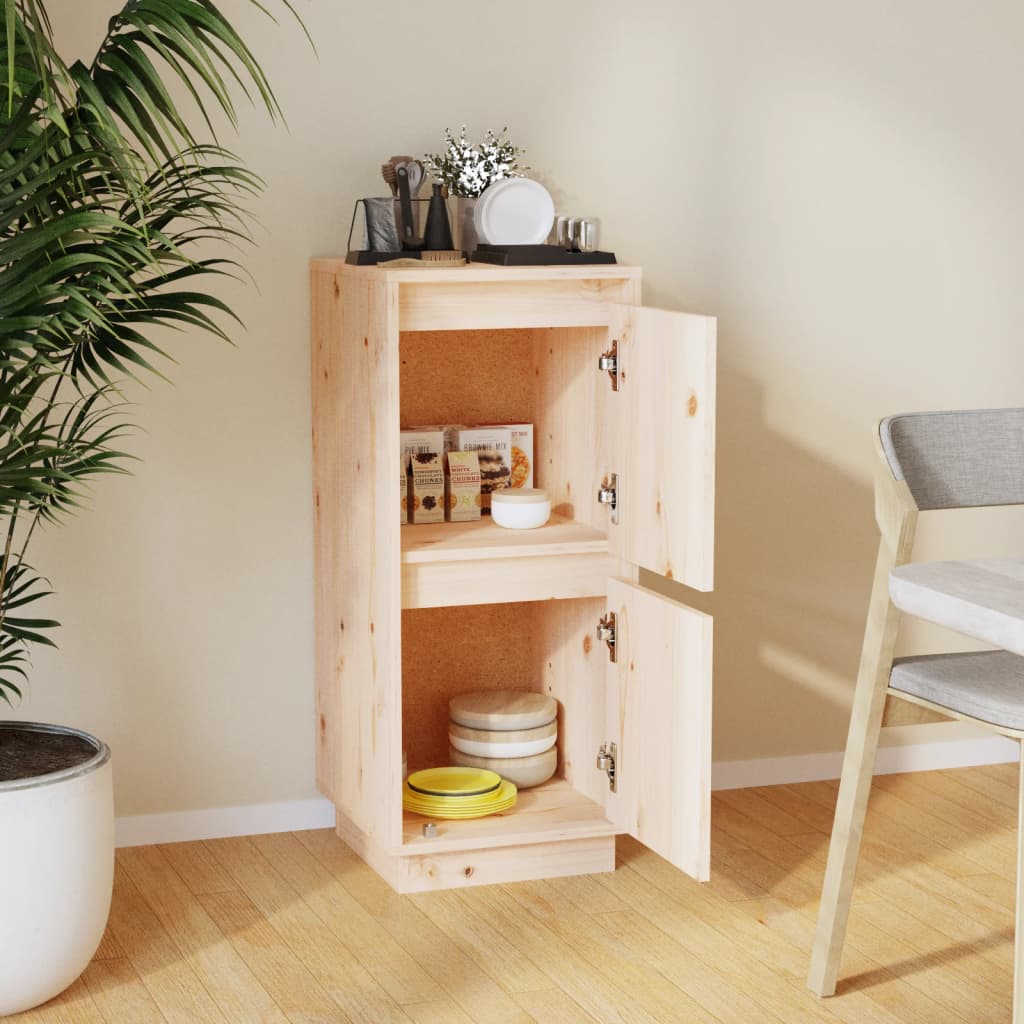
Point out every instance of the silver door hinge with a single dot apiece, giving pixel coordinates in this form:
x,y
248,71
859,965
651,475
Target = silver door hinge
x,y
606,756
609,362
606,632
608,494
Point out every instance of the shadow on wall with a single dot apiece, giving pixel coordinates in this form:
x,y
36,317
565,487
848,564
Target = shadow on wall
x,y
795,552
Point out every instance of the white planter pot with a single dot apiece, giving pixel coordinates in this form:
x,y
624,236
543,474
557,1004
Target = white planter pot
x,y
56,873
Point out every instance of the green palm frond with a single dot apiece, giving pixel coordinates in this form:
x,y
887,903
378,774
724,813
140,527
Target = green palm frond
x,y
109,203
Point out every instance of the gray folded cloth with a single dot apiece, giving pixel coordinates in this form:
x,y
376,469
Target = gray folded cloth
x,y
381,229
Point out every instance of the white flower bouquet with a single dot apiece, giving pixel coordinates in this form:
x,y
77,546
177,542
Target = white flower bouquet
x,y
466,170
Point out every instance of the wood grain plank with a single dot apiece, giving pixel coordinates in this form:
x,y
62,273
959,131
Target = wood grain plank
x,y
553,1006
164,970
384,959
198,868
329,960
119,994
460,977
480,940
272,960
236,991
437,1011
597,993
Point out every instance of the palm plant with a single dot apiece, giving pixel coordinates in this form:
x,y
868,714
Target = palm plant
x,y
109,206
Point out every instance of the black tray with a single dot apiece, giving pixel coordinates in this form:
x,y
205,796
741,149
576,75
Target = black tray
x,y
537,256
365,258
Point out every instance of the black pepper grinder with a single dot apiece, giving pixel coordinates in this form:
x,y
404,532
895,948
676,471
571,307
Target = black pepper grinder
x,y
438,233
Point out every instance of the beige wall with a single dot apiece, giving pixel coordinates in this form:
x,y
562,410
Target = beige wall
x,y
838,182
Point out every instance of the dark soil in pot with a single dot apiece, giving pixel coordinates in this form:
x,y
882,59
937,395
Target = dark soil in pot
x,y
29,750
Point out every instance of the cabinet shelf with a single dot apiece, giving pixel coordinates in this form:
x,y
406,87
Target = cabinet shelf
x,y
548,813
482,563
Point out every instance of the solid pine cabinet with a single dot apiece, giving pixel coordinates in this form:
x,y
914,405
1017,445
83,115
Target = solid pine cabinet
x,y
622,399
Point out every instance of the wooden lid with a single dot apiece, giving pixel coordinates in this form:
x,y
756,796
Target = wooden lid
x,y
502,710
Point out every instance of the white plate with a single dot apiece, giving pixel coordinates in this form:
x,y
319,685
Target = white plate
x,y
514,211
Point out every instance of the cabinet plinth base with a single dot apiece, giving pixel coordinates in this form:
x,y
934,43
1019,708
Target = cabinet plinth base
x,y
556,831
454,869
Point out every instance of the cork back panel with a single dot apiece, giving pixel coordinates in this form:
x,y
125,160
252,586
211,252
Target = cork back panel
x,y
466,377
448,651
544,376
542,646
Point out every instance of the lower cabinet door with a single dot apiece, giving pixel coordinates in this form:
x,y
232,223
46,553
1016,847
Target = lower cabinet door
x,y
658,716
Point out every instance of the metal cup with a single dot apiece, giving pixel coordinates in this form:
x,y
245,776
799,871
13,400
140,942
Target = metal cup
x,y
584,233
563,232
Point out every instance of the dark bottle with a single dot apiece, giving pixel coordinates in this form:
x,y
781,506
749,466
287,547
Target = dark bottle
x,y
438,232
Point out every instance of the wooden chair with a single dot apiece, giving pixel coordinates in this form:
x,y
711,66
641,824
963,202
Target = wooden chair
x,y
940,460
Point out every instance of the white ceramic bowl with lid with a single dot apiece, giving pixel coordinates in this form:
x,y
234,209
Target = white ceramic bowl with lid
x,y
521,508
523,771
503,743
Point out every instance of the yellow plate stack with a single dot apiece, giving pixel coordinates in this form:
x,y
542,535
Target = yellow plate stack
x,y
457,792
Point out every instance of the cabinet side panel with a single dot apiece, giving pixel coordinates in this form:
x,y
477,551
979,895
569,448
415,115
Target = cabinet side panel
x,y
356,523
572,439
574,673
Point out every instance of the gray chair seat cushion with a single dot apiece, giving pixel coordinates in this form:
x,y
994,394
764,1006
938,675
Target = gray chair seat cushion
x,y
984,684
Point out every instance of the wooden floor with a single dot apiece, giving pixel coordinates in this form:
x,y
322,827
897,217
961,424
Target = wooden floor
x,y
295,928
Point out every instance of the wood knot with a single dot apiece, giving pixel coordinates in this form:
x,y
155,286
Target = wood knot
x,y
468,871
691,405
373,628
366,342
587,644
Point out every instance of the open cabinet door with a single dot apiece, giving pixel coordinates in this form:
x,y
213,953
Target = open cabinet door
x,y
659,718
662,415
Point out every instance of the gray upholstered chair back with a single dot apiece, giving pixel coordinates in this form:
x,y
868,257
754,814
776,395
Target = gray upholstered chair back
x,y
958,459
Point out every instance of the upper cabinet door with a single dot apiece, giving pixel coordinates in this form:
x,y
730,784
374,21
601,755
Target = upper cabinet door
x,y
662,415
658,715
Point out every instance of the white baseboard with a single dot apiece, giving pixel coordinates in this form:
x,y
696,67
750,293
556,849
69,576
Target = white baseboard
x,y
219,822
295,815
915,757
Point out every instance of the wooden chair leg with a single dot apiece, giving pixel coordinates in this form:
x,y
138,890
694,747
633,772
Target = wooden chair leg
x,y
855,784
1018,937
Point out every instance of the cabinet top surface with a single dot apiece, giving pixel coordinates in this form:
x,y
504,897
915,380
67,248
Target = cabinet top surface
x,y
473,272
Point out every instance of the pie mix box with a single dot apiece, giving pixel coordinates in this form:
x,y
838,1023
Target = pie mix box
x,y
462,487
421,439
426,488
493,446
522,453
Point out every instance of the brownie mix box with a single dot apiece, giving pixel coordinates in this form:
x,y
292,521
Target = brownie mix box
x,y
493,446
522,452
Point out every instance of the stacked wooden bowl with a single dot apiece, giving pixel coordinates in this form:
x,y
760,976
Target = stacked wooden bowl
x,y
505,731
